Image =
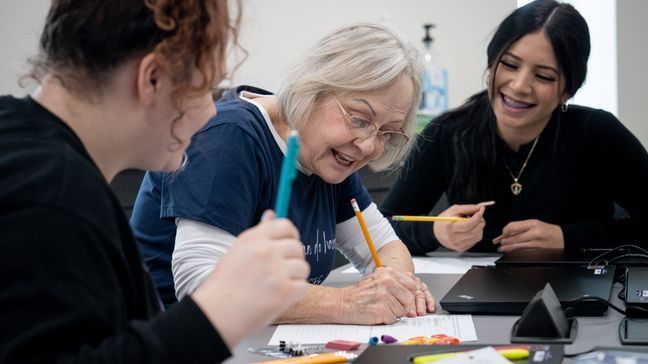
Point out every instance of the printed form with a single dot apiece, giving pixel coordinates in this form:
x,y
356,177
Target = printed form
x,y
444,265
459,326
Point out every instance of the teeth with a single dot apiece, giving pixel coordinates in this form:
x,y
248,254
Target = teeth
x,y
515,104
342,158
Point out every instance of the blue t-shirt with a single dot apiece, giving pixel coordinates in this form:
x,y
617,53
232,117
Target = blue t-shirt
x,y
231,179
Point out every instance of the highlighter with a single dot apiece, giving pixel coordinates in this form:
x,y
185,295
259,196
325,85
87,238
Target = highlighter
x,y
509,352
323,358
288,174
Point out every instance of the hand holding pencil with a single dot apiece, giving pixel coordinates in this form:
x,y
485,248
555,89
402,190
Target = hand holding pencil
x,y
463,233
387,294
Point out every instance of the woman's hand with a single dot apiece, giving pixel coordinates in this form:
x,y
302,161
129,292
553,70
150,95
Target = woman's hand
x,y
384,296
261,276
530,234
462,235
425,302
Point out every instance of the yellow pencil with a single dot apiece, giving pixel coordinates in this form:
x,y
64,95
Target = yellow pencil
x,y
358,213
428,218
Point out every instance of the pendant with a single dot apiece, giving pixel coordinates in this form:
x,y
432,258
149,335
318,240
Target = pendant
x,y
516,188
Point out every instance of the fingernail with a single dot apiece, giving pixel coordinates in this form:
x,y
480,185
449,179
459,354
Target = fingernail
x,y
265,215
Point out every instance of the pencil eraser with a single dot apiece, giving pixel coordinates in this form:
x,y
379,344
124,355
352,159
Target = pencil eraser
x,y
342,345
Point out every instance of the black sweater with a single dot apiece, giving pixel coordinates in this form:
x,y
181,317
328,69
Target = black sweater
x,y
584,162
74,289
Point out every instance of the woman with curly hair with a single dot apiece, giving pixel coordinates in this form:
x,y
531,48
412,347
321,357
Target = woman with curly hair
x,y
123,84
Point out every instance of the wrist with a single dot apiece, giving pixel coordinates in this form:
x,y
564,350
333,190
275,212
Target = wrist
x,y
222,320
341,309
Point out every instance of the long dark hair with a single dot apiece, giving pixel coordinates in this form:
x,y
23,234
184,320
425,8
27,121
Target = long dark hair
x,y
475,143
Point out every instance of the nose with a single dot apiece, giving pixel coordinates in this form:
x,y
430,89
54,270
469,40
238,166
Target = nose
x,y
521,82
370,146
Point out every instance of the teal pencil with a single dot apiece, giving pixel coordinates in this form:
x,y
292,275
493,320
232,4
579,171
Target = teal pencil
x,y
288,174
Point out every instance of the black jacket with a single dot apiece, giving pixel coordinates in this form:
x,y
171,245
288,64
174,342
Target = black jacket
x,y
585,162
74,289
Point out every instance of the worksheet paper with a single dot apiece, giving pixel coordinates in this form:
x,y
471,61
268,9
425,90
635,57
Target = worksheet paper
x,y
444,265
459,326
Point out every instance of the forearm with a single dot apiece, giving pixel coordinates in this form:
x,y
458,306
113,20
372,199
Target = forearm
x,y
320,305
396,256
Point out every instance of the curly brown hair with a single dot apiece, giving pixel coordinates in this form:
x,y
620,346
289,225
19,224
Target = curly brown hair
x,y
84,40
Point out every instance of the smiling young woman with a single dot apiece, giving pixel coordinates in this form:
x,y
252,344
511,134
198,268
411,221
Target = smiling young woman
x,y
555,172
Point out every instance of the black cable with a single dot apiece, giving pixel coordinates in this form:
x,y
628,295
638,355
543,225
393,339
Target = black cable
x,y
630,255
572,303
630,311
595,260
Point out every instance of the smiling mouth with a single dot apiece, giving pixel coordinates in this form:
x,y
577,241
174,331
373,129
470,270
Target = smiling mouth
x,y
514,104
342,159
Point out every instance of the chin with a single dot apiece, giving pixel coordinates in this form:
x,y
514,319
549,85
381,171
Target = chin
x,y
335,180
335,176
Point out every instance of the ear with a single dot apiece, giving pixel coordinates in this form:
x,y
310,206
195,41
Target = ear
x,y
148,79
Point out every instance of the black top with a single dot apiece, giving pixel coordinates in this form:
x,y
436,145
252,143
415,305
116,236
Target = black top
x,y
73,286
584,162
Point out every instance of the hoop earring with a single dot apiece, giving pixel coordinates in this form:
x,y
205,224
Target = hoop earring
x,y
185,160
564,107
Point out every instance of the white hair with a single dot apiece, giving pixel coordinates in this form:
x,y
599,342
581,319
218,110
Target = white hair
x,y
354,58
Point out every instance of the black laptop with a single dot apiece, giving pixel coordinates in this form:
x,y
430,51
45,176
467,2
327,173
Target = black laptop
x,y
529,257
506,290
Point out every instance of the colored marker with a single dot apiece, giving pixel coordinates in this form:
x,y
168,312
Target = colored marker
x,y
323,358
509,352
388,339
288,174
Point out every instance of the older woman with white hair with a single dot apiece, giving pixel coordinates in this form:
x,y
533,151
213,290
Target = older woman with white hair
x,y
353,100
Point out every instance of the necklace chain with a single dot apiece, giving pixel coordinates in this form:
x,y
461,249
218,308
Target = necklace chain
x,y
516,187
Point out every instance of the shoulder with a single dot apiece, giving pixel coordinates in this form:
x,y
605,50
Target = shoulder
x,y
43,163
236,117
596,122
579,113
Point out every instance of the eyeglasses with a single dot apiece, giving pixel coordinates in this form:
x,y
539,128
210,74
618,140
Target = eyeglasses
x,y
363,128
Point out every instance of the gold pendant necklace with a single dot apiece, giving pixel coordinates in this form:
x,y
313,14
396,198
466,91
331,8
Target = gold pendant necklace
x,y
516,187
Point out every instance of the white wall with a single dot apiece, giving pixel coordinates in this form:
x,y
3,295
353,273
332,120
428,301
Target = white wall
x,y
278,32
633,65
600,87
20,26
